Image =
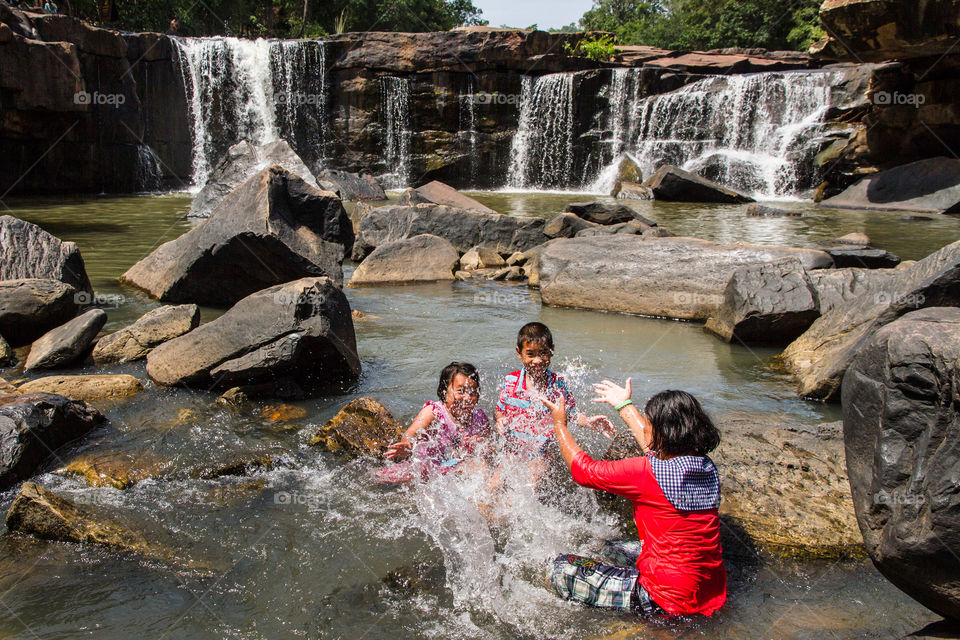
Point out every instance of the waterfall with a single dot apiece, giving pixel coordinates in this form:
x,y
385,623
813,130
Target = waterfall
x,y
468,122
395,107
149,173
255,90
755,133
542,148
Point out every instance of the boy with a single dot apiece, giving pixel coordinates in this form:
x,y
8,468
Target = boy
x,y
523,422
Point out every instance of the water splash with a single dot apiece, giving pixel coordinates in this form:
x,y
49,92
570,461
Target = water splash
x,y
542,148
395,107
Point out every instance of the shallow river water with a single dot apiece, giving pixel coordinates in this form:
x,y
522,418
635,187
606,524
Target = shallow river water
x,y
310,548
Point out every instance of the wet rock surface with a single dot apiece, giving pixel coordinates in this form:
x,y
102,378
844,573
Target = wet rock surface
x,y
673,184
363,426
66,344
88,388
31,252
153,328
30,307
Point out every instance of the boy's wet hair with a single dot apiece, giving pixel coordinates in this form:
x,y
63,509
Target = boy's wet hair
x,y
535,333
450,372
680,425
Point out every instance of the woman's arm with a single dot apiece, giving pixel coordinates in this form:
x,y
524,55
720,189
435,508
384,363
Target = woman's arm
x,y
638,424
568,446
403,447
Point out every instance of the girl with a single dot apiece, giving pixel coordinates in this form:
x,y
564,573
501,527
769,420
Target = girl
x,y
443,431
675,490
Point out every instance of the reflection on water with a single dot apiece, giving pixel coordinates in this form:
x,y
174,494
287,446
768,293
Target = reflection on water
x,y
309,547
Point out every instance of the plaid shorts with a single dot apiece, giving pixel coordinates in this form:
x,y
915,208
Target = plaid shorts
x,y
601,585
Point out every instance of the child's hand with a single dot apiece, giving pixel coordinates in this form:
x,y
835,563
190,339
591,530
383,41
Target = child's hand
x,y
558,410
400,449
602,424
612,393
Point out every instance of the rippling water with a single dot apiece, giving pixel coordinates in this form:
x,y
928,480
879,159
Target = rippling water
x,y
311,548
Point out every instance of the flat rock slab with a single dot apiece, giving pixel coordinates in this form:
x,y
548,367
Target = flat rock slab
x,y
602,213
423,258
30,307
363,426
682,278
673,184
862,257
437,192
299,334
30,252
153,328
88,388
32,425
66,344
931,185
274,228
901,427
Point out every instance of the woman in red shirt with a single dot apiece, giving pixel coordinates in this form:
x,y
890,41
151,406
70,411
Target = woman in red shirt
x,y
675,491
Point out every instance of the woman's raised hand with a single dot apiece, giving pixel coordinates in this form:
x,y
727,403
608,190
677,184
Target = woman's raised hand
x,y
612,393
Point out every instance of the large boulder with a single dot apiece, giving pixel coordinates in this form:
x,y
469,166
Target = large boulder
x,y
66,344
819,357
673,184
33,426
463,229
31,252
839,287
486,258
770,303
153,328
901,427
681,278
30,307
88,388
350,186
631,191
603,213
363,426
423,258
931,185
567,225
437,192
272,229
299,333
241,162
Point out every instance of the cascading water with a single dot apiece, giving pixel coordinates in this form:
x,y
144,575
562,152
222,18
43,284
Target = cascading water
x,y
149,173
395,107
755,133
255,90
542,148
468,123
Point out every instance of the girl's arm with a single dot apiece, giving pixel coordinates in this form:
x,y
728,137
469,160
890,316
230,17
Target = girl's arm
x,y
638,423
403,447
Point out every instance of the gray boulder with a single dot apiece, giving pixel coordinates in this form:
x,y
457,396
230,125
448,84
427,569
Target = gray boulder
x,y
66,344
299,333
931,185
437,192
838,287
30,252
681,278
603,213
241,162
481,257
461,228
30,307
422,258
33,426
350,186
769,303
673,184
566,225
901,428
819,357
153,328
272,229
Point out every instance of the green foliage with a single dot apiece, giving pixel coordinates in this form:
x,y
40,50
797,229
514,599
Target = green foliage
x,y
708,24
598,49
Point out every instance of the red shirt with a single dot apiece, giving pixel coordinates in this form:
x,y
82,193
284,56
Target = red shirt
x,y
681,564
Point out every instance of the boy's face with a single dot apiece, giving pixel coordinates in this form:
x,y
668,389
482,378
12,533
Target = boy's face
x,y
535,357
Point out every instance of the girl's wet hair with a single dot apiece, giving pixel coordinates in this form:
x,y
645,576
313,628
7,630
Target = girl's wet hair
x,y
680,425
450,372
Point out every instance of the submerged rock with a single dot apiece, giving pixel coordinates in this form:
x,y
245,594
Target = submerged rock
x,y
298,333
272,229
931,185
863,257
350,186
241,162
437,192
901,426
819,357
30,307
34,425
673,184
88,388
766,211
65,345
603,213
423,258
120,469
153,328
667,277
363,426
30,252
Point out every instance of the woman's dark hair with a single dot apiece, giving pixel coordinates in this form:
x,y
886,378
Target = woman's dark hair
x,y
450,372
680,425
535,333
